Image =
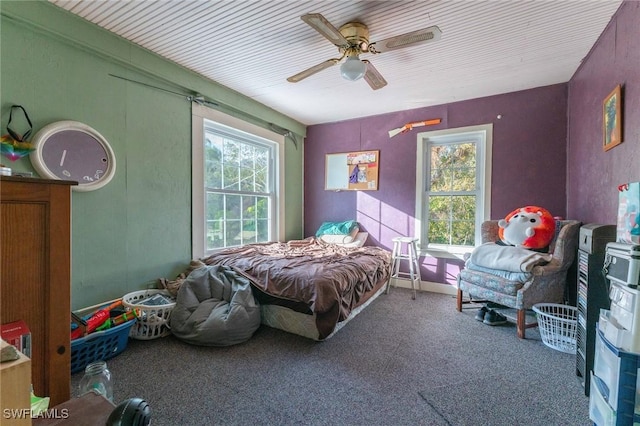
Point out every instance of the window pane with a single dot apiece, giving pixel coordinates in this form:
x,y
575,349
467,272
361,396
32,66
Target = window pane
x,y
247,179
263,231
233,207
465,155
439,208
215,206
215,234
213,161
262,158
248,231
231,177
440,180
231,152
463,233
463,207
249,206
464,179
262,208
232,232
261,177
439,232
249,219
440,172
246,156
262,170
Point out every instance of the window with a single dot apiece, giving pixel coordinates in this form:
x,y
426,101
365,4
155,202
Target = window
x,y
235,183
453,188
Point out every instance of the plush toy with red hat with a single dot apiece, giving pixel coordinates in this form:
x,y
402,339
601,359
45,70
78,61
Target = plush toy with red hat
x,y
529,227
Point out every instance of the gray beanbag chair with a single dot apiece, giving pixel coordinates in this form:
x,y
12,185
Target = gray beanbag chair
x,y
215,307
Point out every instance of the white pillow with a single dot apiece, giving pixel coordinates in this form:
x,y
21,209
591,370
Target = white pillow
x,y
358,241
340,239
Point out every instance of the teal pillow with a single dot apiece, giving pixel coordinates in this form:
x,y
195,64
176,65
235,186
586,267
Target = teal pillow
x,y
336,228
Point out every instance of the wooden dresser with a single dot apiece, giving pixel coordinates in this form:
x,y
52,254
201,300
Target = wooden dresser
x,y
35,253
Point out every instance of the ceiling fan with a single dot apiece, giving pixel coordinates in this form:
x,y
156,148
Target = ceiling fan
x,y
352,40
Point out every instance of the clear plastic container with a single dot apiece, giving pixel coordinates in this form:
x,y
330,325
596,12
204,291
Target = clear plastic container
x,y
97,378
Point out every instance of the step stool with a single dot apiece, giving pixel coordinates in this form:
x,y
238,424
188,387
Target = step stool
x,y
411,254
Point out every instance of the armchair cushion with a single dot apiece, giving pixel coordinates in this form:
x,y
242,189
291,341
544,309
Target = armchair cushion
x,y
490,282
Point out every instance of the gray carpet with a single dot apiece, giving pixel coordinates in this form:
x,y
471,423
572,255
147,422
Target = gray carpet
x,y
494,397
400,362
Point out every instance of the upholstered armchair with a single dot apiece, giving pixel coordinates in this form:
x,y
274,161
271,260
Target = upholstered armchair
x,y
543,284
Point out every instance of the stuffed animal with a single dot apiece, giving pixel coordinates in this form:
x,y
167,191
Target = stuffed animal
x,y
529,227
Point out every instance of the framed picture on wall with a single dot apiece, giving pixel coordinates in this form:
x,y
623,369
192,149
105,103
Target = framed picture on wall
x,y
612,119
355,171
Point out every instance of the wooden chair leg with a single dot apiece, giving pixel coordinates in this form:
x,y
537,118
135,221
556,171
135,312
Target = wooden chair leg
x,y
459,301
521,323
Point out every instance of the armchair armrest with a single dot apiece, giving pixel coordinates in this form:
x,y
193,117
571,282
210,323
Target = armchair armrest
x,y
489,231
553,267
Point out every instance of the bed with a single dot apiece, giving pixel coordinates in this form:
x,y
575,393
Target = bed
x,y
309,287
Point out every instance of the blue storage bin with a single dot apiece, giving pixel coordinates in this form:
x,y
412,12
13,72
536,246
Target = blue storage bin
x,y
100,345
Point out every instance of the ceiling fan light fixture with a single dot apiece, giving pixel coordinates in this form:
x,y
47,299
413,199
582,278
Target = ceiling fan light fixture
x,y
352,40
353,68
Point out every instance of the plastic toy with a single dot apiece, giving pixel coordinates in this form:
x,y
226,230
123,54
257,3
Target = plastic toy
x,y
117,320
89,324
409,126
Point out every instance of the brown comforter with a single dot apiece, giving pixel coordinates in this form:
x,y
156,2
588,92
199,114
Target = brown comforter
x,y
310,276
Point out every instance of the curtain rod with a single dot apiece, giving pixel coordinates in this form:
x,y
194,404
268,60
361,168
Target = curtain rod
x,y
201,100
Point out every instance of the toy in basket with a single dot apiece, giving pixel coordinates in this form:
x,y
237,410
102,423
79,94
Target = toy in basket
x,y
154,310
97,337
557,324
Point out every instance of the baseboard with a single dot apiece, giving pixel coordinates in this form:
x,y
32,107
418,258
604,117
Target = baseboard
x,y
426,286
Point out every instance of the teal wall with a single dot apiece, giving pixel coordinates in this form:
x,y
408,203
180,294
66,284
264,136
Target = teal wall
x,y
138,227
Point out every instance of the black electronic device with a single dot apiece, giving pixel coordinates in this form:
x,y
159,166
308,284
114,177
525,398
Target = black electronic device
x,y
130,412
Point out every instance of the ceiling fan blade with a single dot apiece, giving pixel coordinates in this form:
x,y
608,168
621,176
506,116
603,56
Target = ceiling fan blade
x,y
373,77
413,38
324,27
314,69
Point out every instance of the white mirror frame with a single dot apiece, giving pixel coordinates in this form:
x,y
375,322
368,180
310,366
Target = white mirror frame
x,y
40,139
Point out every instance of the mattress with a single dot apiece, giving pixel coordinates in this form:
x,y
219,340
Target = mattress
x,y
286,319
311,277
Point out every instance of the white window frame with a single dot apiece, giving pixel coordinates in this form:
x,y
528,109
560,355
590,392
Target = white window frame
x,y
482,135
199,114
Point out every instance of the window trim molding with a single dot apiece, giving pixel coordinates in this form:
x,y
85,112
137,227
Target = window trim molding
x,y
484,152
198,114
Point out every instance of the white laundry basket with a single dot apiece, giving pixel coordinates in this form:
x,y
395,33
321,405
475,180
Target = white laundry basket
x,y
153,320
557,324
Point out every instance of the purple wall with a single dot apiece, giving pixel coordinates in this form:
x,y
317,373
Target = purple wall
x,y
594,175
529,164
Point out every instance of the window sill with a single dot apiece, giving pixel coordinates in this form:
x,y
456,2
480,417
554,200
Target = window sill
x,y
449,252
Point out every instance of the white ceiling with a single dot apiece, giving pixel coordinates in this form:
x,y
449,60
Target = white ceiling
x,y
487,47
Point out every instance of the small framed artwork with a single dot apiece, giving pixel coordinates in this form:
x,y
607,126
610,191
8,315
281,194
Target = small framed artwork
x,y
612,119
